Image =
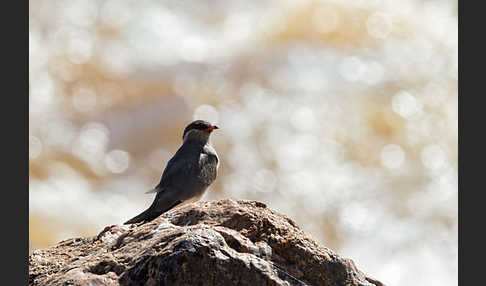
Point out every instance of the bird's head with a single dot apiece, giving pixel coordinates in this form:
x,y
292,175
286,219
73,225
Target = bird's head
x,y
198,130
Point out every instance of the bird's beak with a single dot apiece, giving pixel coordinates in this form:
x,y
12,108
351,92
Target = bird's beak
x,y
209,129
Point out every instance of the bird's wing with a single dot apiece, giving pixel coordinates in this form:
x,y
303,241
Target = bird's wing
x,y
178,168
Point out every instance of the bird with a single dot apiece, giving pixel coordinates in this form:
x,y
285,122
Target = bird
x,y
187,174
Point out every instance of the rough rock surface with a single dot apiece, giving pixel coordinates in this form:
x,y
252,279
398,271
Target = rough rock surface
x,y
223,242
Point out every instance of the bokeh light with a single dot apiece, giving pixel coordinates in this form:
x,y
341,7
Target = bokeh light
x,y
340,114
379,25
392,156
35,147
405,104
206,112
117,161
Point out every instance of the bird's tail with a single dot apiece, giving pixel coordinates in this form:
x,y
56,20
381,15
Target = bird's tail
x,y
147,215
157,208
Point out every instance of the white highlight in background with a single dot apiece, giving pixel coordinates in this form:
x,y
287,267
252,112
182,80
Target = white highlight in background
x,y
84,99
117,161
379,25
405,104
303,119
392,156
91,142
433,157
352,69
35,147
206,112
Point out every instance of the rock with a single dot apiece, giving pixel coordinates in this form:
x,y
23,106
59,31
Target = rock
x,y
225,242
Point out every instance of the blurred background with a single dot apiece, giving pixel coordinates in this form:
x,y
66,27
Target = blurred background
x,y
340,114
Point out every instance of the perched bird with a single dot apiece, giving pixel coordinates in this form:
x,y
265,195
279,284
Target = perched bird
x,y
188,173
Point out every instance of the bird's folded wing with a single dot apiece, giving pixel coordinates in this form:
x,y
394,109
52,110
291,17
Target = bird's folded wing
x,y
175,172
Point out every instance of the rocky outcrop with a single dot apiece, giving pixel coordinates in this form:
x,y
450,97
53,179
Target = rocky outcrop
x,y
225,242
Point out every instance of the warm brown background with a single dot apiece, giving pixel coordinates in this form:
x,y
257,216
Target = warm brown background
x,y
340,114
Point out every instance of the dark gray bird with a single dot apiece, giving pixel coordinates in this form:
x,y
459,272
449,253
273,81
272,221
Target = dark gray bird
x,y
188,173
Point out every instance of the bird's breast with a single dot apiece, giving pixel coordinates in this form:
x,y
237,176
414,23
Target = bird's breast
x,y
208,166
